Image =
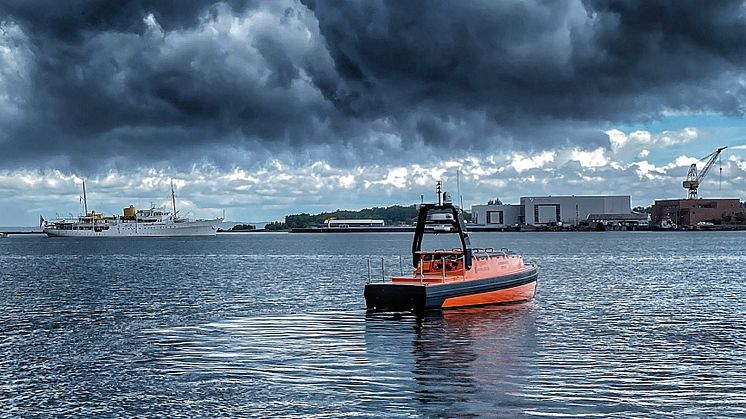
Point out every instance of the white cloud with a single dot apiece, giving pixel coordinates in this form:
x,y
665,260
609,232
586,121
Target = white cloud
x,y
396,177
639,142
521,162
590,159
647,170
279,187
346,181
683,161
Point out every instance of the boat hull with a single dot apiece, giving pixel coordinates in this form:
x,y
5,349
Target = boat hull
x,y
504,289
185,229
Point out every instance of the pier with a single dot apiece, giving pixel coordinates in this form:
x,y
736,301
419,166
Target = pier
x,y
6,233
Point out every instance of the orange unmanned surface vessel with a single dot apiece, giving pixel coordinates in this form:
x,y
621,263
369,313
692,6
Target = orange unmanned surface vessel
x,y
458,277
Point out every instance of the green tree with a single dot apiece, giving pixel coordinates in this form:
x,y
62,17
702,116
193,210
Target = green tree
x,y
275,225
393,215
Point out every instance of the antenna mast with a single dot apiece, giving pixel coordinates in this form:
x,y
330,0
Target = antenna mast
x,y
173,198
85,199
458,188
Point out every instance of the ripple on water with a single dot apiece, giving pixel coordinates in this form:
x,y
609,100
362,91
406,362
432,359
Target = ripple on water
x,y
622,325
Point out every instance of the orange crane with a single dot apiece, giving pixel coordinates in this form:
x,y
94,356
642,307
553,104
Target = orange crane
x,y
693,178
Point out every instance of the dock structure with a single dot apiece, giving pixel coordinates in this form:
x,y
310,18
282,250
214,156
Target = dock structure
x,y
7,233
389,229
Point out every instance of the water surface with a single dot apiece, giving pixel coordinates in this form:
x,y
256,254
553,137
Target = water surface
x,y
623,324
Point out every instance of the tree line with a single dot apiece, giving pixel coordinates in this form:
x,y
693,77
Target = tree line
x,y
393,215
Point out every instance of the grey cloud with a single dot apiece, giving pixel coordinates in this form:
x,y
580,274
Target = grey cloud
x,y
355,82
157,94
518,60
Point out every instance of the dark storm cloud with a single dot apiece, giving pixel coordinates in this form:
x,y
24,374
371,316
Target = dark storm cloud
x,y
104,84
556,59
124,83
70,20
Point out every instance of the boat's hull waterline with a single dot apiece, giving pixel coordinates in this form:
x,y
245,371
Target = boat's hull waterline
x,y
398,296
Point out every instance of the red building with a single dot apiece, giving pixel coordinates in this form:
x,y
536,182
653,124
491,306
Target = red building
x,y
688,212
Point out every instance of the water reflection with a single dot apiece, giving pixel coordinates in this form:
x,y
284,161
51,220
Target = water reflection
x,y
466,362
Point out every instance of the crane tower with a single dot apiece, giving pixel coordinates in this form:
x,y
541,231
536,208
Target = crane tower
x,y
694,178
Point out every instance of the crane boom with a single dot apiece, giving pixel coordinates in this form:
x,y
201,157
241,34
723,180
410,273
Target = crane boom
x,y
693,179
713,156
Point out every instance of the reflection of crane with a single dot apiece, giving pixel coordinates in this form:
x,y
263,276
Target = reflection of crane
x,y
693,179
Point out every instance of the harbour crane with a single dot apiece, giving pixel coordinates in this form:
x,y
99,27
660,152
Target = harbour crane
x,y
694,178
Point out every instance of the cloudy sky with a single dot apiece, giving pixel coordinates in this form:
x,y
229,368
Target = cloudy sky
x,y
265,108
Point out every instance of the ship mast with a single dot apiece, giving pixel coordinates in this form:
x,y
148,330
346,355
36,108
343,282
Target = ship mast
x,y
85,199
173,198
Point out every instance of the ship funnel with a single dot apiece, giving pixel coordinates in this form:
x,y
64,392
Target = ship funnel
x,y
129,212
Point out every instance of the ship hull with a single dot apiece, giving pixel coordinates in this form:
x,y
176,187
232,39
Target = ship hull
x,y
185,229
504,289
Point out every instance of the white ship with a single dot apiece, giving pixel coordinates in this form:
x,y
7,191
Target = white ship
x,y
133,222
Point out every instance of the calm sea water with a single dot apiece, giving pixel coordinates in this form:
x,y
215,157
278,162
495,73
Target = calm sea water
x,y
624,324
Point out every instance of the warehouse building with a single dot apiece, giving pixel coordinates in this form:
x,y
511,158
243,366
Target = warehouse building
x,y
550,210
547,210
496,215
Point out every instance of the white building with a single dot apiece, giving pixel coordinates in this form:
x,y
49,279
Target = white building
x,y
332,223
545,210
496,215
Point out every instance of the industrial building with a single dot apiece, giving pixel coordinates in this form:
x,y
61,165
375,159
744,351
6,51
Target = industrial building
x,y
497,215
545,210
550,210
689,212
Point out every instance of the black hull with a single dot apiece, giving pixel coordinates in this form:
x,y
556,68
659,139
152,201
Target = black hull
x,y
388,296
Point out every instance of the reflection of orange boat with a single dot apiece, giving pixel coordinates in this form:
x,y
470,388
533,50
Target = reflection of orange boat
x,y
458,277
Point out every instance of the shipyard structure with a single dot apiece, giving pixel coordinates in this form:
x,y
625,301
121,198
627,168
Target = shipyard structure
x,y
558,210
696,212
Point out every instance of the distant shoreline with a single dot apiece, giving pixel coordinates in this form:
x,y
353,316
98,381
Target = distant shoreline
x,y
405,229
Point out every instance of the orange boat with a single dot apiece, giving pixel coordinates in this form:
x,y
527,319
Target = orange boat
x,y
459,277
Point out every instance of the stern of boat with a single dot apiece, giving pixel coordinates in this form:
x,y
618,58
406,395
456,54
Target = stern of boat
x,y
388,296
